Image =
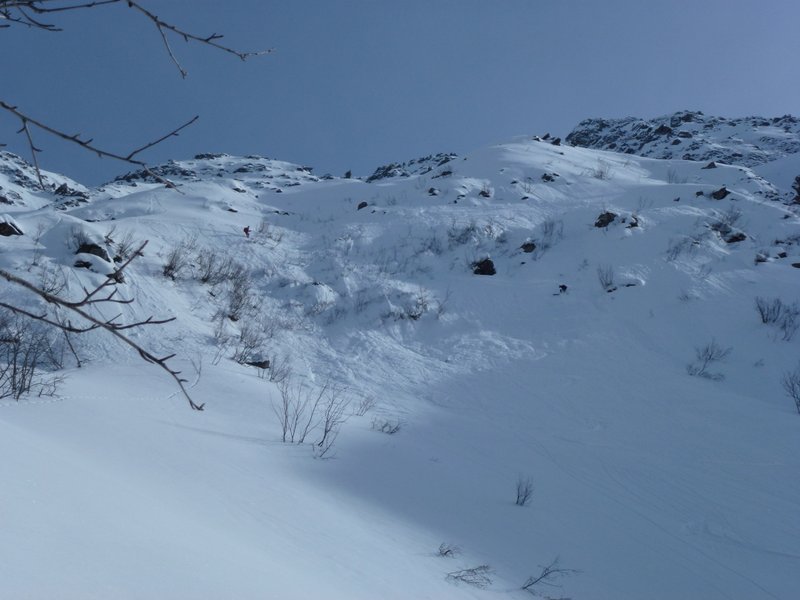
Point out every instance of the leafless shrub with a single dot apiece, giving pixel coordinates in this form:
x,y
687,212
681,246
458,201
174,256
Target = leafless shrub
x,y
250,339
333,417
550,233
790,322
361,300
524,491
52,280
479,576
724,222
448,550
791,385
178,257
124,247
280,368
605,275
386,426
547,577
443,303
303,409
102,295
25,347
684,245
705,356
674,177
364,405
777,312
297,410
212,267
459,235
239,294
601,171
79,237
37,247
108,237
266,231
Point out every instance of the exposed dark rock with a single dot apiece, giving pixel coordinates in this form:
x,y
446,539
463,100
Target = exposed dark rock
x,y
735,237
699,193
94,249
556,142
796,265
720,194
484,193
634,222
712,138
417,166
483,267
8,229
605,219
259,364
362,205
65,190
83,264
711,165
528,247
433,191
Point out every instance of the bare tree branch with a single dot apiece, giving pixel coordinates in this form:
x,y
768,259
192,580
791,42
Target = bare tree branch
x,y
110,325
34,151
87,144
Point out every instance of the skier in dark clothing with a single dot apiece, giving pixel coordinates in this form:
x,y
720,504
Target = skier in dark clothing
x,y
246,231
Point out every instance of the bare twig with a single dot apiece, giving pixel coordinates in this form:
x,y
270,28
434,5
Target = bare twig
x,y
548,575
34,150
112,326
87,144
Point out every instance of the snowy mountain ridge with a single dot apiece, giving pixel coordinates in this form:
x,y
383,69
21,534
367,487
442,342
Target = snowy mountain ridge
x,y
691,135
530,315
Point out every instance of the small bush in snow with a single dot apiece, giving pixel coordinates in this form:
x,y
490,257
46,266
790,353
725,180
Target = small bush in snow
x,y
705,356
177,260
602,171
386,426
364,405
777,312
479,576
26,349
302,409
212,267
605,275
791,385
458,235
239,293
249,341
524,491
547,577
280,368
448,550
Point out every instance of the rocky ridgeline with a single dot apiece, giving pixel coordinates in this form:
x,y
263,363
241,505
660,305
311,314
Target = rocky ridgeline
x,y
687,135
19,184
256,171
417,166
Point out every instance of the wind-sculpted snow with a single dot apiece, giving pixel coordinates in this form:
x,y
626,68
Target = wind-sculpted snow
x,y
573,366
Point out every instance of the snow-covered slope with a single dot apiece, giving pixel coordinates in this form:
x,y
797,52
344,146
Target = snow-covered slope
x,y
648,482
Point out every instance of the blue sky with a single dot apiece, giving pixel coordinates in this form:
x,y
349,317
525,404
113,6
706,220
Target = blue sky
x,y
353,84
